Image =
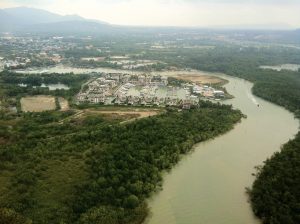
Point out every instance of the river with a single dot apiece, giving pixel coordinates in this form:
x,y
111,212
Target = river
x,y
208,185
289,67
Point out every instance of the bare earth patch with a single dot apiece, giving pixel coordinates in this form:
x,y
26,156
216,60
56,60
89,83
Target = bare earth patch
x,y
93,59
37,103
126,114
112,113
64,104
140,114
202,79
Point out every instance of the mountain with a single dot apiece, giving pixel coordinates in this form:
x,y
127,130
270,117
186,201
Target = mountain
x,y
70,27
29,16
22,18
32,20
6,20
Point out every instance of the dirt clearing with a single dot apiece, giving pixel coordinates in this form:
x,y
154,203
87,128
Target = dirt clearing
x,y
140,114
202,79
63,103
37,103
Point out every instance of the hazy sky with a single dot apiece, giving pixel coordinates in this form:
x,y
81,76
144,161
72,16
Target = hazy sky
x,y
174,12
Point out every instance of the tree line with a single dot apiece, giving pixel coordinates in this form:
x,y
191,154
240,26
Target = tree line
x,y
110,169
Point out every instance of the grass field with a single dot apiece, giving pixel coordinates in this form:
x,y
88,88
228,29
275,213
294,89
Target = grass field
x,y
37,103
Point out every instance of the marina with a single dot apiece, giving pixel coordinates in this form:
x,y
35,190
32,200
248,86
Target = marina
x,y
144,89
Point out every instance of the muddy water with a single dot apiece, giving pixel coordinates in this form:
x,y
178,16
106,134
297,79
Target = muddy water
x,y
208,186
291,67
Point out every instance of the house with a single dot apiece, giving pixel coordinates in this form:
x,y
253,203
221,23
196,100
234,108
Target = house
x,y
219,93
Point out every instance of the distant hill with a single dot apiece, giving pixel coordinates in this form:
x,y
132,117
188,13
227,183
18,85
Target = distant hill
x,y
70,27
29,16
21,18
7,21
32,20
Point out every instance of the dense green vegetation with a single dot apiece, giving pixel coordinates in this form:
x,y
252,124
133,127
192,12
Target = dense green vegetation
x,y
10,83
275,194
94,170
9,216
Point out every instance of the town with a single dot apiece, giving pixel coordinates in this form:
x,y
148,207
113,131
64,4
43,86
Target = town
x,y
34,51
145,90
